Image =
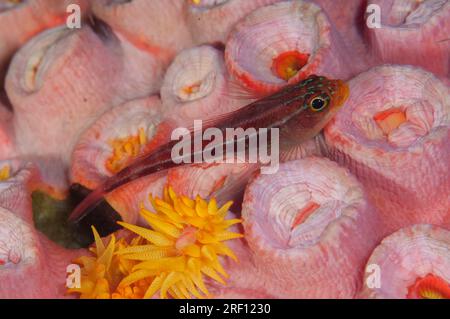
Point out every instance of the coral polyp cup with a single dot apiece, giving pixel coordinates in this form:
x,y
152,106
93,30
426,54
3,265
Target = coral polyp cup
x,y
31,266
7,138
403,22
284,43
347,17
114,141
56,84
196,86
310,230
412,263
222,181
16,180
34,16
148,25
105,120
54,98
210,21
393,135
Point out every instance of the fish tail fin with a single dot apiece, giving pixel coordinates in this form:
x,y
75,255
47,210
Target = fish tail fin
x,y
92,210
87,205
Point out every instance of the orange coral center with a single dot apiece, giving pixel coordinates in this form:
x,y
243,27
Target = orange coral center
x,y
287,64
304,213
390,119
124,150
191,89
5,173
137,291
429,287
188,237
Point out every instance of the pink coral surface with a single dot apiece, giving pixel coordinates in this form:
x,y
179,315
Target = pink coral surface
x,y
77,105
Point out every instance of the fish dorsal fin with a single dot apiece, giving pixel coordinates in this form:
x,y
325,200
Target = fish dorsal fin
x,y
235,183
239,92
227,119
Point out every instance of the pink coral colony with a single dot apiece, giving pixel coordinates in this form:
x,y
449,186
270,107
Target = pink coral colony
x,y
359,206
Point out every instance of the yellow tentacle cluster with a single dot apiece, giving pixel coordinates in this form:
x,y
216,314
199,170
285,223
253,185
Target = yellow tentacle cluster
x,y
183,246
102,272
125,149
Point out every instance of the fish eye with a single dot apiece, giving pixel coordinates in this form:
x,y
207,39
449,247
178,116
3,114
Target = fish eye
x,y
318,103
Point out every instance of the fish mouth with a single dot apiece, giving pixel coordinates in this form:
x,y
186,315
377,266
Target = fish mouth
x,y
342,94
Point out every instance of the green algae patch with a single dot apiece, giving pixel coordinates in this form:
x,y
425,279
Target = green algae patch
x,y
50,217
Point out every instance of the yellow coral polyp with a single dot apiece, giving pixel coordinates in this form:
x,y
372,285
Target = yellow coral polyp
x,y
5,173
102,272
125,149
135,291
183,246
